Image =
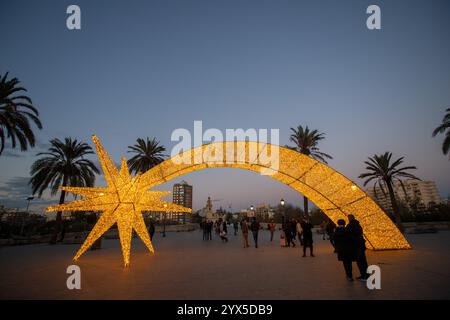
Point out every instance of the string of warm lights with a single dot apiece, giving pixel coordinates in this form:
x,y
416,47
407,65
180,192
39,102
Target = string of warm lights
x,y
336,195
121,202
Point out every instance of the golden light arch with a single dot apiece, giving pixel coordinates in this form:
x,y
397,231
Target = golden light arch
x,y
336,195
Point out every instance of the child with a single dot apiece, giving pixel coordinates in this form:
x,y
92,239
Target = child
x,y
223,236
282,238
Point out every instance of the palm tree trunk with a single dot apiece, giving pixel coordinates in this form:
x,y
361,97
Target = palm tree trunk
x,y
57,229
397,217
305,206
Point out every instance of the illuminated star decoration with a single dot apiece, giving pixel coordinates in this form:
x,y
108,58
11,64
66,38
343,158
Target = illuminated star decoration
x,y
121,202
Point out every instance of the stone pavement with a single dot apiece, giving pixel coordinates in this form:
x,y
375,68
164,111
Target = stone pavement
x,y
185,267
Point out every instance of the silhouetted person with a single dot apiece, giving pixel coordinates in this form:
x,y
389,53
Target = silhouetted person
x,y
344,247
224,232
63,232
307,237
244,229
330,228
271,226
357,237
235,226
204,226
323,227
209,225
151,229
293,231
288,234
255,229
299,232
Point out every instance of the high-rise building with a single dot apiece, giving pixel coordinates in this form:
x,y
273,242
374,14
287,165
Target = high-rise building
x,y
421,193
182,195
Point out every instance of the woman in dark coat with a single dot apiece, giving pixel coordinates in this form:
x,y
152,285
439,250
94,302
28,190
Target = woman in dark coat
x,y
151,229
288,234
344,247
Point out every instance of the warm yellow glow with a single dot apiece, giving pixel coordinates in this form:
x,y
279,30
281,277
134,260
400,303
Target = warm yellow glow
x,y
332,192
125,197
121,202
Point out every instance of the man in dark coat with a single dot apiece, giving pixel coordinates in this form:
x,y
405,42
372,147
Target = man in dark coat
x,y
204,226
293,231
288,233
345,249
355,232
209,226
255,229
151,230
235,226
307,237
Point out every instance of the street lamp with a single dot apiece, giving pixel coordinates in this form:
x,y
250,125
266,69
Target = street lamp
x,y
164,221
282,212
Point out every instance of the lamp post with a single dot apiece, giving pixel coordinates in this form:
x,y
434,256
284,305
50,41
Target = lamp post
x,y
282,212
252,210
164,222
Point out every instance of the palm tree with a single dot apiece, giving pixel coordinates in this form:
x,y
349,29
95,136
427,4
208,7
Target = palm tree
x,y
384,171
148,152
16,111
445,126
305,142
62,165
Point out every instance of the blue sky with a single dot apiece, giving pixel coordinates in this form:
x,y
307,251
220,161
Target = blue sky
x,y
145,68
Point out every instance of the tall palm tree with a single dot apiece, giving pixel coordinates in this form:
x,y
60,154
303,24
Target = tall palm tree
x,y
445,126
384,171
16,115
306,142
64,164
148,153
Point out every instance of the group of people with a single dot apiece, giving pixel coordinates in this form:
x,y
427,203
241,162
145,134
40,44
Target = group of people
x,y
207,227
350,246
292,229
348,240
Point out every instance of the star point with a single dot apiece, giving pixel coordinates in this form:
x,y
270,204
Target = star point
x,y
122,202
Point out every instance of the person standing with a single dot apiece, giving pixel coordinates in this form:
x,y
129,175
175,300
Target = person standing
x,y
323,227
204,226
299,232
225,226
307,237
357,238
209,227
330,229
235,226
288,234
344,248
151,230
293,231
224,232
271,226
282,238
255,229
244,229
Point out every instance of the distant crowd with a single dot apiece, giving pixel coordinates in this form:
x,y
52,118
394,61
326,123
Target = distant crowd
x,y
347,240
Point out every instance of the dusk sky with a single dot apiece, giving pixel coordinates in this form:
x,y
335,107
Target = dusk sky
x,y
146,68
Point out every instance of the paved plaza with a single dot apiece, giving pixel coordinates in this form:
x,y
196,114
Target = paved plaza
x,y
185,267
